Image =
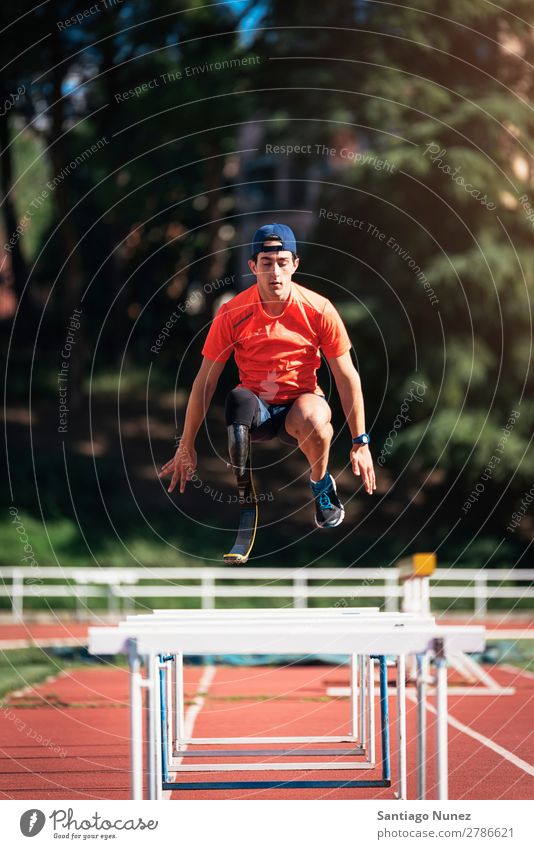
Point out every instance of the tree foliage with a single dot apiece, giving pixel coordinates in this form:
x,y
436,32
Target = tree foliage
x,y
150,123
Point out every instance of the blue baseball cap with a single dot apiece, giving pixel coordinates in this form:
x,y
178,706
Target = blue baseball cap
x,y
270,232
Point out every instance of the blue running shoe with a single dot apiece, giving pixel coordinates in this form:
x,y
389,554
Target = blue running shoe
x,y
329,511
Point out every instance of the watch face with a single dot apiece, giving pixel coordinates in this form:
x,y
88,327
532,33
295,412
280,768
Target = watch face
x,y
365,439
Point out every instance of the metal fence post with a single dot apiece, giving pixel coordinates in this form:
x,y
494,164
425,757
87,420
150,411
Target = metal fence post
x,y
481,596
208,603
17,594
391,600
300,598
112,601
208,591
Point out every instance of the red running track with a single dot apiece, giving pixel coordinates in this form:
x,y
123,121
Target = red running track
x,y
68,738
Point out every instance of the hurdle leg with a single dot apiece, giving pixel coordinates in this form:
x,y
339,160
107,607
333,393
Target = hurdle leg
x,y
164,731
371,709
166,711
158,764
154,729
384,719
401,725
441,722
168,683
354,715
422,667
178,701
151,754
363,735
136,722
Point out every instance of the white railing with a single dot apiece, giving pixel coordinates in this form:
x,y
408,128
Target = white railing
x,y
118,588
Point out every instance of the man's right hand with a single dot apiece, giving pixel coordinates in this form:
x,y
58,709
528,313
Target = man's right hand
x,y
182,467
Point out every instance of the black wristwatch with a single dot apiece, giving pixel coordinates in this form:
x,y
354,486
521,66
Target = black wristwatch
x,y
362,439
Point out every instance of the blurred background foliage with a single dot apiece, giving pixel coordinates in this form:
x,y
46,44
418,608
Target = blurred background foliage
x,y
154,124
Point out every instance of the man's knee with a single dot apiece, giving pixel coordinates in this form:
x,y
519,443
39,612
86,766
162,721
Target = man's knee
x,y
241,407
310,421
317,430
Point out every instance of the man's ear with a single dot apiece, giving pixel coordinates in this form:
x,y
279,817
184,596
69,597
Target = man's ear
x,y
296,262
253,267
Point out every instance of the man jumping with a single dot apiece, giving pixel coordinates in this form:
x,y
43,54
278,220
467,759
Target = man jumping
x,y
276,330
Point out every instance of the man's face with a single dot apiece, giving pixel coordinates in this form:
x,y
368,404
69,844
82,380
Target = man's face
x,y
273,271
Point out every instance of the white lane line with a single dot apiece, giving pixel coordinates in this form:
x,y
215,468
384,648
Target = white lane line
x,y
516,670
496,690
192,712
510,634
485,741
43,643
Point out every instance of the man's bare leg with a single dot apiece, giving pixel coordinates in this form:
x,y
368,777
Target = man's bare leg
x,y
308,421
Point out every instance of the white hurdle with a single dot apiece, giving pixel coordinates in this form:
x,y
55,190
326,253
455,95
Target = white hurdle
x,y
208,634
359,732
275,614
356,671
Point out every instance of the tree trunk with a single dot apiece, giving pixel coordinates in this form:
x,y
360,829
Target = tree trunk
x,y
114,229
71,285
18,264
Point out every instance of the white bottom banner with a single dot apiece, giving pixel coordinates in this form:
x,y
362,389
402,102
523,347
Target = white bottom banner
x,y
222,824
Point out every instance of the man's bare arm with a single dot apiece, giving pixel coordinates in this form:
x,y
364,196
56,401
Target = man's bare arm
x,y
204,386
183,464
349,387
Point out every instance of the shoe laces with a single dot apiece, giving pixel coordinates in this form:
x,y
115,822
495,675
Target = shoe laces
x,y
324,501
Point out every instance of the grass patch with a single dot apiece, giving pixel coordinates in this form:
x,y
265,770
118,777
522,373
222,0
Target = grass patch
x,y
132,379
519,653
24,667
60,542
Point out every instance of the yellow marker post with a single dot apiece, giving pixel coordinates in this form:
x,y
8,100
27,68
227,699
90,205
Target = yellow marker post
x,y
414,572
424,564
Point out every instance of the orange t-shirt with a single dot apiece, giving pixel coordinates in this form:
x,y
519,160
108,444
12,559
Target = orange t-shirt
x,y
277,356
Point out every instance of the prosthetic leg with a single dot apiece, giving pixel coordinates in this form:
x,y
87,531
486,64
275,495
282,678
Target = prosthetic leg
x,y
239,450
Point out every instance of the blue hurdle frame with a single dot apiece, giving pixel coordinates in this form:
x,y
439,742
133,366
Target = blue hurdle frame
x,y
357,743
385,781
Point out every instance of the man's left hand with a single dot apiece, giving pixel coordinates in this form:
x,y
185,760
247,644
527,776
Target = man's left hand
x,y
362,464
